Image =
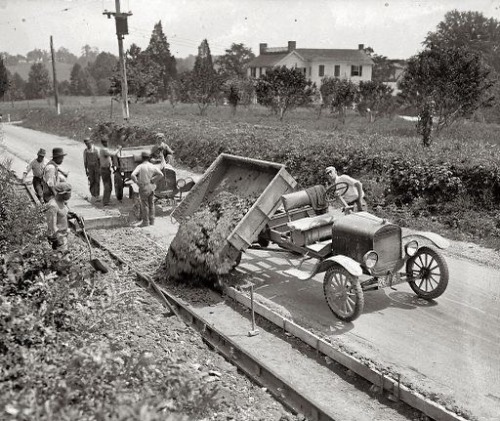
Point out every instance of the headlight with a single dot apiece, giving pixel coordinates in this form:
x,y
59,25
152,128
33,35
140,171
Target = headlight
x,y
370,259
411,248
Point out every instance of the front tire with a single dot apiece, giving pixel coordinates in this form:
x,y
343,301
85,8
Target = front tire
x,y
343,294
427,273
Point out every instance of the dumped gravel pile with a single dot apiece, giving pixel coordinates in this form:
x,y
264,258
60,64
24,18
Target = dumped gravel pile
x,y
198,253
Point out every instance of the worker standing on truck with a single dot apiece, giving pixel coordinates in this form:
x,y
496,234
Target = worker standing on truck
x,y
37,166
92,166
57,217
354,195
145,176
162,151
53,174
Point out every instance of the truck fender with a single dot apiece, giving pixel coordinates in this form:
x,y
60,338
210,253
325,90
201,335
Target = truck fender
x,y
353,267
434,238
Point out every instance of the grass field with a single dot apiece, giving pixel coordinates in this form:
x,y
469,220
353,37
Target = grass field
x,y
306,143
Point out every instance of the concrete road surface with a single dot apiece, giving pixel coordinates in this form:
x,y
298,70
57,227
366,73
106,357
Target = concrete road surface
x,y
449,348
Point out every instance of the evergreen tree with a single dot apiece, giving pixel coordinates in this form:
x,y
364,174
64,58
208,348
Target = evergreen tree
x,y
38,85
17,88
4,78
203,84
81,82
102,70
158,51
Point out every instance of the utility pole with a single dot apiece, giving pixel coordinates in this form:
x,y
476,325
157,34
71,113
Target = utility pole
x,y
121,31
56,94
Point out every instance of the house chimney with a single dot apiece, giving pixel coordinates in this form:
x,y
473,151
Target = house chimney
x,y
361,46
262,48
292,45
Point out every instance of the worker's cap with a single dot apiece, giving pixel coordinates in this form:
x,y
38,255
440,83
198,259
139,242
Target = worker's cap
x,y
62,188
330,171
160,135
41,152
87,140
146,155
104,141
57,152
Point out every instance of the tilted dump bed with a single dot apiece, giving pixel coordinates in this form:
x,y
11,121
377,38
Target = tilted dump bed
x,y
246,178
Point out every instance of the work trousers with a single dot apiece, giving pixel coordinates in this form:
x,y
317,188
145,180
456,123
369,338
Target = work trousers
x,y
94,176
108,186
38,187
147,207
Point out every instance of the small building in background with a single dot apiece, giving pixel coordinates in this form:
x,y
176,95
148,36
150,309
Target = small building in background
x,y
315,63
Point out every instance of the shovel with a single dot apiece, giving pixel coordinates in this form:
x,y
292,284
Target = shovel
x,y
95,263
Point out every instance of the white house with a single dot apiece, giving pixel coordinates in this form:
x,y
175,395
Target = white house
x,y
316,63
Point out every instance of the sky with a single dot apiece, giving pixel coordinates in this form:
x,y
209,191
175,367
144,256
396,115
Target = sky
x,y
393,28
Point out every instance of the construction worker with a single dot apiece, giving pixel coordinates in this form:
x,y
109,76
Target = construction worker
x,y
53,174
57,217
146,175
37,166
92,166
106,164
354,195
162,151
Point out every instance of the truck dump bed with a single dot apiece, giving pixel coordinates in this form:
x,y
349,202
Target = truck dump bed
x,y
246,178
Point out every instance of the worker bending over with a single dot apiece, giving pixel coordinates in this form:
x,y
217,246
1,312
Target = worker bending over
x,y
146,175
354,195
37,166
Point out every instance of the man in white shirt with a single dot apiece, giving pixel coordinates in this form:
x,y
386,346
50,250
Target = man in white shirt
x,y
145,176
37,166
354,195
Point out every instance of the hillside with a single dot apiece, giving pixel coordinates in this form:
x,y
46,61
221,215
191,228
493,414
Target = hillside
x,y
63,70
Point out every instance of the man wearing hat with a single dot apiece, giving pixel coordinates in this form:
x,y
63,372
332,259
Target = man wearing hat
x,y
145,176
37,166
53,174
354,195
92,168
162,151
57,217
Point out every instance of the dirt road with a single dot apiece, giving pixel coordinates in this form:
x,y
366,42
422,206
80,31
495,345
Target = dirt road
x,y
447,349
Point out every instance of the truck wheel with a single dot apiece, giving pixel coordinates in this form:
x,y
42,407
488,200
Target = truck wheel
x,y
343,294
427,273
118,179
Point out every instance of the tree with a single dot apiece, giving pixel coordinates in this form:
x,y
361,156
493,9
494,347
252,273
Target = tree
x,y
63,55
159,52
37,55
233,62
383,69
39,84
453,80
4,78
203,83
102,70
375,98
283,89
81,82
338,94
17,88
88,55
470,30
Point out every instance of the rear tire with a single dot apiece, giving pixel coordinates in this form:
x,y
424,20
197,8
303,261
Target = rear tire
x,y
343,293
427,273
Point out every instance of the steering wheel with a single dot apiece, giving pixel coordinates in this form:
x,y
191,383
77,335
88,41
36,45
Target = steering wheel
x,y
336,191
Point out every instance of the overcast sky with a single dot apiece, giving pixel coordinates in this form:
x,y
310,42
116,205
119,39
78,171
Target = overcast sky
x,y
394,28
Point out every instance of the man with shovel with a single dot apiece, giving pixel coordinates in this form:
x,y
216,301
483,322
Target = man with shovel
x,y
57,217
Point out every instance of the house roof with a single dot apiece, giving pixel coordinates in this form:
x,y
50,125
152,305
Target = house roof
x,y
314,54
343,55
267,60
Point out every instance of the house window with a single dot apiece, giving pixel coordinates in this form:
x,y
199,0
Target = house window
x,y
356,70
260,71
305,71
337,71
253,71
321,70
